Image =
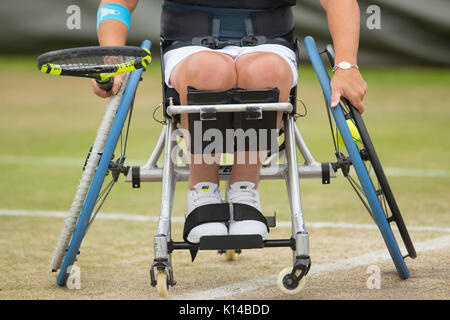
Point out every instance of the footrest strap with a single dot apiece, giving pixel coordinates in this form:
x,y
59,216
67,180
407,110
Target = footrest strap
x,y
223,212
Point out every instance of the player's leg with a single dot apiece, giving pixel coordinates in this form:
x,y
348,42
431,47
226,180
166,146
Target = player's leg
x,y
258,70
204,70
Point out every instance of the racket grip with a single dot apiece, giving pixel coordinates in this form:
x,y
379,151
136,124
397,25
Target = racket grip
x,y
107,85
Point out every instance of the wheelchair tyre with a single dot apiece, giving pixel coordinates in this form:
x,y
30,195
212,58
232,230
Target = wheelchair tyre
x,y
84,219
384,191
368,190
99,176
230,255
382,205
162,284
285,287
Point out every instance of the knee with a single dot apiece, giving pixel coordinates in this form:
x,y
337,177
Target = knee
x,y
208,71
266,70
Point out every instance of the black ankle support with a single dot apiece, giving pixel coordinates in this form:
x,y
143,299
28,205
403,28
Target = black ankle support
x,y
218,212
245,212
221,212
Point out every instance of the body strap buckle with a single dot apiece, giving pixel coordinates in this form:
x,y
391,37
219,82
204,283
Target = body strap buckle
x,y
214,43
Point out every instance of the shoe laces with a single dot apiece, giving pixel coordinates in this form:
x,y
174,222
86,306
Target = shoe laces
x,y
248,195
203,194
203,198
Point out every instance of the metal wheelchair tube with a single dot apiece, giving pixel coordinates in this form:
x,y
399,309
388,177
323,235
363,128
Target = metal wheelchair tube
x,y
157,150
302,244
309,159
305,171
168,179
279,106
160,247
292,181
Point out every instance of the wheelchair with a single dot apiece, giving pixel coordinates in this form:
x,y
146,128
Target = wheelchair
x,y
249,107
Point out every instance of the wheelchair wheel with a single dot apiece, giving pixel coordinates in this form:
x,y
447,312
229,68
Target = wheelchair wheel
x,y
287,285
96,195
376,176
162,284
375,194
380,181
98,191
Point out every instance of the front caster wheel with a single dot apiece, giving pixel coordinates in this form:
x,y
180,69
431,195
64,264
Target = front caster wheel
x,y
288,283
230,255
162,284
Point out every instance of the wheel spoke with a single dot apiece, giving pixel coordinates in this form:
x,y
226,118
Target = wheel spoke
x,y
370,170
336,145
355,184
100,201
384,203
106,190
355,187
128,128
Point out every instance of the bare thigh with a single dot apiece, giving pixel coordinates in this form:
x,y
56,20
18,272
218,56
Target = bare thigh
x,y
205,70
262,70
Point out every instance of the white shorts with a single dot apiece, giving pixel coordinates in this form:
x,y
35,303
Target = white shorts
x,y
175,56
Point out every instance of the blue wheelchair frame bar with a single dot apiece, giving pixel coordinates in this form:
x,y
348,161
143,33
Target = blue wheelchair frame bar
x,y
99,176
357,162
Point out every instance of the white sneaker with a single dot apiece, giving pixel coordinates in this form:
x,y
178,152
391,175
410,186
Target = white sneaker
x,y
204,193
244,192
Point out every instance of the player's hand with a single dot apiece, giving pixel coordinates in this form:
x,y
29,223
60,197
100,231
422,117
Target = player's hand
x,y
348,84
118,79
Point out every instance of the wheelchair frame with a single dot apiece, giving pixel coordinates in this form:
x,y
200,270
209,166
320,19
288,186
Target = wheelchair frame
x,y
169,174
291,280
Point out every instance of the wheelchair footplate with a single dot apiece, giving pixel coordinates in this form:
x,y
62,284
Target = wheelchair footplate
x,y
247,241
230,242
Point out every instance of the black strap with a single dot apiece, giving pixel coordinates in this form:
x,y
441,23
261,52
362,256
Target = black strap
x,y
218,212
246,212
135,176
214,43
325,173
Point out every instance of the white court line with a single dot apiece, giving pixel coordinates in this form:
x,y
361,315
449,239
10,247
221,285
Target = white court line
x,y
136,217
405,172
78,162
48,161
318,269
63,214
41,161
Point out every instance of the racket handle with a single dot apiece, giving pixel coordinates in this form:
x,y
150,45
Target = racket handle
x,y
107,85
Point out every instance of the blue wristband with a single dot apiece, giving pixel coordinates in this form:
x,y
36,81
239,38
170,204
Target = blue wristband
x,y
113,11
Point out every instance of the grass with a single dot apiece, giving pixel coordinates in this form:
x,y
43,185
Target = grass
x,y
43,118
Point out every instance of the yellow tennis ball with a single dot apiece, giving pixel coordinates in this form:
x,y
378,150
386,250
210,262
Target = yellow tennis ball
x,y
353,130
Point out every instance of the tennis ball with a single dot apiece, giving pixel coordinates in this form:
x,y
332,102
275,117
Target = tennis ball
x,y
353,130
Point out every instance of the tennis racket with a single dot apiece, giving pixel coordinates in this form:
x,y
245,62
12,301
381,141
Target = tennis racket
x,y
99,63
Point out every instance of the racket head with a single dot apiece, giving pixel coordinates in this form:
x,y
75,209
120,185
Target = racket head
x,y
95,62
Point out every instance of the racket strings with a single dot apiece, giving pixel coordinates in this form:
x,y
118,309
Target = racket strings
x,y
92,62
101,62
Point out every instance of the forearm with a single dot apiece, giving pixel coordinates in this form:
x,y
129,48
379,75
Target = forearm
x,y
113,32
343,21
